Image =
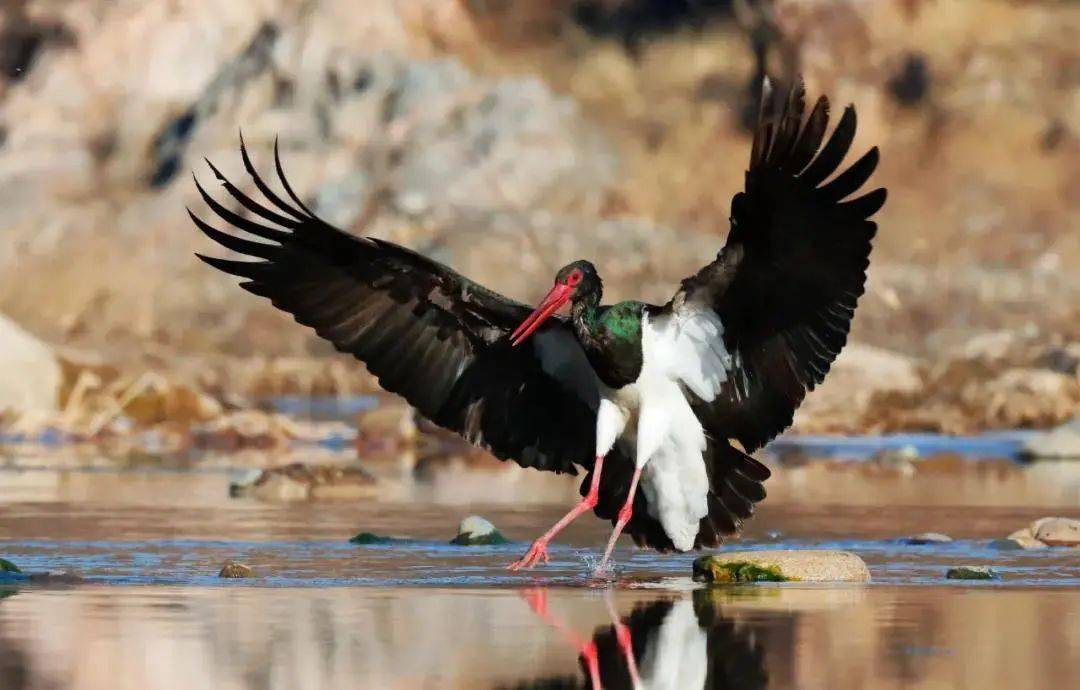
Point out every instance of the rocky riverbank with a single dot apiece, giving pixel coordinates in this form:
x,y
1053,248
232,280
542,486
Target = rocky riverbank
x,y
506,139
167,405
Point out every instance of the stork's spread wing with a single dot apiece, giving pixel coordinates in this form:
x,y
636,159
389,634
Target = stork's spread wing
x,y
424,330
787,281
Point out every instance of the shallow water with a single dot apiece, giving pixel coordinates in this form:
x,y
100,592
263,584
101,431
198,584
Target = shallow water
x,y
324,613
374,637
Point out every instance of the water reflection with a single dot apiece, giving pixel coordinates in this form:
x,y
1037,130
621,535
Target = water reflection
x,y
670,644
238,636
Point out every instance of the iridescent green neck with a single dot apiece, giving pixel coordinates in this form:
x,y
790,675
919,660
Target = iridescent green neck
x,y
585,314
611,337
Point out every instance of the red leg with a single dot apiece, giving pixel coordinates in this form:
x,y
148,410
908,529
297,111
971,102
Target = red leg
x,y
626,640
537,600
538,549
625,513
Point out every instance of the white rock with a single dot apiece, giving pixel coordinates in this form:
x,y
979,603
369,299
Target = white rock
x,y
475,526
1057,531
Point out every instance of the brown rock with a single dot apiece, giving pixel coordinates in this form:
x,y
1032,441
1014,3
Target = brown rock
x,y
234,570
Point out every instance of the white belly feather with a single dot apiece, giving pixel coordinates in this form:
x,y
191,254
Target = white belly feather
x,y
682,349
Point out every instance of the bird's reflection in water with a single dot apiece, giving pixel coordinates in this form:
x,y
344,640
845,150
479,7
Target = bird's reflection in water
x,y
680,644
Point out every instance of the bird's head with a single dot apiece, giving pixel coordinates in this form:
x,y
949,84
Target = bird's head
x,y
573,282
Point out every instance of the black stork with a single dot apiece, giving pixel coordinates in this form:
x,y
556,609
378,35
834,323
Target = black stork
x,y
639,396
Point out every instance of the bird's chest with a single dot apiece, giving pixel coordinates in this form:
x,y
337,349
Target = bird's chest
x,y
617,364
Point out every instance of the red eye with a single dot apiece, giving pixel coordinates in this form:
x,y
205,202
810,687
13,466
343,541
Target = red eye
x,y
574,278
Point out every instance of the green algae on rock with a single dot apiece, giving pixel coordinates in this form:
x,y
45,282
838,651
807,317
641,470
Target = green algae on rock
x,y
971,572
476,531
737,571
781,566
7,566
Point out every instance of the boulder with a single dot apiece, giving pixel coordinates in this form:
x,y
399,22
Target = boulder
x,y
476,531
1060,442
781,566
233,570
971,572
1043,533
1057,531
30,374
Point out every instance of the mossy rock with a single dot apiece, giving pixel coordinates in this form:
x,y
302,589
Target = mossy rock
x,y
476,531
781,566
971,572
742,571
7,566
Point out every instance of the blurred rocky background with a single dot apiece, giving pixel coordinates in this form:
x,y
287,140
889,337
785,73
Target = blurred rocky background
x,y
506,137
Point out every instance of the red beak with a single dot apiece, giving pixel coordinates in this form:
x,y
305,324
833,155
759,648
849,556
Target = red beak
x,y
559,295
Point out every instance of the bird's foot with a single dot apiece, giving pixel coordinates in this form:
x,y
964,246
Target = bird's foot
x,y
537,551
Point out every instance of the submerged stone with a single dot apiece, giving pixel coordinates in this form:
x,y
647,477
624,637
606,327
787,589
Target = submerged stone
x,y
476,531
971,572
781,566
926,538
1018,540
369,538
57,577
234,570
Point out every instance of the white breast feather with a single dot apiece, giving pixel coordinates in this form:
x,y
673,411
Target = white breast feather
x,y
689,347
670,439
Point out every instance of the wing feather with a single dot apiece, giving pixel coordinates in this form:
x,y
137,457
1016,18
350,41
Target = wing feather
x,y
787,282
425,331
